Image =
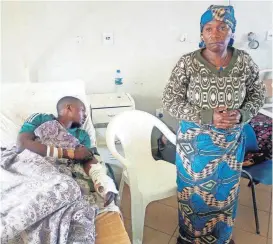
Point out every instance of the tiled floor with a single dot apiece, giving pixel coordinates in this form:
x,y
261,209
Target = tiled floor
x,y
161,218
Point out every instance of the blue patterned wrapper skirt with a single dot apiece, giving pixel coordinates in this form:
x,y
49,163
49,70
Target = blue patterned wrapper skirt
x,y
209,163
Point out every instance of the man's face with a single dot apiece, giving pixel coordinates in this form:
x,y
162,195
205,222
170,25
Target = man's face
x,y
78,114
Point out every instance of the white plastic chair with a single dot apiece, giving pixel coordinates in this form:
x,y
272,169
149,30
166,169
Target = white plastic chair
x,y
149,180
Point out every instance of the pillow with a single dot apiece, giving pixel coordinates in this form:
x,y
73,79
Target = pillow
x,y
20,100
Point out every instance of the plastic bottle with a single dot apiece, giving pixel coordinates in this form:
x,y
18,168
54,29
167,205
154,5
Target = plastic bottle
x,y
118,81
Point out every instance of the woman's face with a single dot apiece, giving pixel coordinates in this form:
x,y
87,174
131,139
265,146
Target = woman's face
x,y
216,35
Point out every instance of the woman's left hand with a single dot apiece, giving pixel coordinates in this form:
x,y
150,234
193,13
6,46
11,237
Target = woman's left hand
x,y
229,119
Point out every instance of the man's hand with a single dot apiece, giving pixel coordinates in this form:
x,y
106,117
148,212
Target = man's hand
x,y
224,119
109,197
26,140
87,165
82,153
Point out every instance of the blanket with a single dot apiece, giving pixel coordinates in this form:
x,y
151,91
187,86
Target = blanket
x,y
40,200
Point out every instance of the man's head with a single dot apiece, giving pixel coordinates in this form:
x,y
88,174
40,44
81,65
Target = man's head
x,y
73,109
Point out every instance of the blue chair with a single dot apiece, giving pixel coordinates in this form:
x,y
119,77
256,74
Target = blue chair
x,y
259,173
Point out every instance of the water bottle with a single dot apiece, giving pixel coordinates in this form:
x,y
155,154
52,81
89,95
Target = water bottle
x,y
118,81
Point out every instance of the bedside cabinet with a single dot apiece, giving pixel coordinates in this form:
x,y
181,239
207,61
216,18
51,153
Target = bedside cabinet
x,y
103,108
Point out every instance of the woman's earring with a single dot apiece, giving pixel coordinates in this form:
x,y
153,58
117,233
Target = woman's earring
x,y
202,43
231,41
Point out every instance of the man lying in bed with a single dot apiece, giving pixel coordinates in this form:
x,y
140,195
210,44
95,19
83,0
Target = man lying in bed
x,y
37,135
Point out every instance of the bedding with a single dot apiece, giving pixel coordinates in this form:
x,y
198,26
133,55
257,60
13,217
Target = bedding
x,y
30,183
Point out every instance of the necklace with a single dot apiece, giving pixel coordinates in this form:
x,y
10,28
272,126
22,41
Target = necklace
x,y
223,63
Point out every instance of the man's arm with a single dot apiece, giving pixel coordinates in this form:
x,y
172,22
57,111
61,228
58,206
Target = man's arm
x,y
26,137
97,174
26,141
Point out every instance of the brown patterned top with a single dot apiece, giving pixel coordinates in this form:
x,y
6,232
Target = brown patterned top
x,y
196,87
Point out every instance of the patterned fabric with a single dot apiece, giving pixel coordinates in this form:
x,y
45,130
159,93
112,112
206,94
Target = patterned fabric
x,y
35,120
209,160
262,126
54,134
196,87
41,202
209,163
221,13
41,205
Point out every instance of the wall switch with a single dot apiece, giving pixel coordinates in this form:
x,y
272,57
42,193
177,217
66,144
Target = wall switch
x,y
79,39
269,35
184,37
108,38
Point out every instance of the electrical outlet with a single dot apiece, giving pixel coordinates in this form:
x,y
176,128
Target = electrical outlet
x,y
108,38
159,113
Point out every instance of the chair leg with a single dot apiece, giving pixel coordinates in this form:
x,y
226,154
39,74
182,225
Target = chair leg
x,y
255,182
249,184
252,184
121,186
255,208
138,217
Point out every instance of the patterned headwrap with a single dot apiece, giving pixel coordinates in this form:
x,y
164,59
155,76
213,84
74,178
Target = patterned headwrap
x,y
221,13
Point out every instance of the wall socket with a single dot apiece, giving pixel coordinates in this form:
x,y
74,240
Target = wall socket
x,y
108,38
159,113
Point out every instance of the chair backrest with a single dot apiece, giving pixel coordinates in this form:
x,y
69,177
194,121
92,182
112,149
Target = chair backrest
x,y
20,100
134,130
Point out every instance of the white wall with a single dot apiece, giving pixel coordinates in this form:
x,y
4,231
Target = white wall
x,y
43,37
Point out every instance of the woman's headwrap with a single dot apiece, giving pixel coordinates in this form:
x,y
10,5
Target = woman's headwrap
x,y
221,13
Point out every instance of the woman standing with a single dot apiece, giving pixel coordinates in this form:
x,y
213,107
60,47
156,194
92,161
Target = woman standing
x,y
214,91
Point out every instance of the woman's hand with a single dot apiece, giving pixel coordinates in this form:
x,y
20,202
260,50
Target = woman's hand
x,y
223,119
